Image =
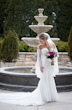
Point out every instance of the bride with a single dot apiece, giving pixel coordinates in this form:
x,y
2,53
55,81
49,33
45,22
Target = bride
x,y
46,89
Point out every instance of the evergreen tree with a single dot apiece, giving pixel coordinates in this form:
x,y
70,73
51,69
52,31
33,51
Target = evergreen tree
x,y
10,47
1,17
20,14
64,19
70,44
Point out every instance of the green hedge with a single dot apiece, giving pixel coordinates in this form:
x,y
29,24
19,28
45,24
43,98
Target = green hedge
x,y
62,46
23,47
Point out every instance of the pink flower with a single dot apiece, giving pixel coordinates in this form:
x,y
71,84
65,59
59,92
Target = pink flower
x,y
52,53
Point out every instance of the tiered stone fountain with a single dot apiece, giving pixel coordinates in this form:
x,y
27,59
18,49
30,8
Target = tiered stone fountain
x,y
34,42
21,78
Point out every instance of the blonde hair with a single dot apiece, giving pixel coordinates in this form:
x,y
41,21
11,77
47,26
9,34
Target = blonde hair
x,y
43,36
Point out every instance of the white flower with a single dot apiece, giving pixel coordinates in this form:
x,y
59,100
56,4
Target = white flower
x,y
48,54
51,50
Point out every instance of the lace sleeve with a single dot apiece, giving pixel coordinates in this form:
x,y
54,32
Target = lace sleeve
x,y
55,50
39,57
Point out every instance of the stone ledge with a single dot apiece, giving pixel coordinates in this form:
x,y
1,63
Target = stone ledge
x,y
36,52
63,52
23,88
27,52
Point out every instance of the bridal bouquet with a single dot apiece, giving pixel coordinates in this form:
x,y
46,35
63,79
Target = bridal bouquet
x,y
51,55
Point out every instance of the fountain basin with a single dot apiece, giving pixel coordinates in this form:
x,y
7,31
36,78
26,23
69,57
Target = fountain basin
x,y
34,42
40,19
21,79
40,28
27,70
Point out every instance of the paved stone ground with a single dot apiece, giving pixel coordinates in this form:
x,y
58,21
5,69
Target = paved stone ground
x,y
65,103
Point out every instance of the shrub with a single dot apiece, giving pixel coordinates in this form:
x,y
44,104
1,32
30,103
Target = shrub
x,y
9,48
23,47
1,40
70,45
62,46
0,51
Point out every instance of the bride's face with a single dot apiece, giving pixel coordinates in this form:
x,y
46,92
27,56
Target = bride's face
x,y
42,41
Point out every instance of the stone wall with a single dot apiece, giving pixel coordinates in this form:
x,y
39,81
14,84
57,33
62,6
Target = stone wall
x,y
26,59
63,59
29,59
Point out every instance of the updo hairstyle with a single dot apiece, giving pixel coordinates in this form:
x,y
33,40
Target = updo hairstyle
x,y
43,36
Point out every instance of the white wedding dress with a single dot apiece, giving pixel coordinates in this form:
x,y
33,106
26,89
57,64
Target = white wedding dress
x,y
46,89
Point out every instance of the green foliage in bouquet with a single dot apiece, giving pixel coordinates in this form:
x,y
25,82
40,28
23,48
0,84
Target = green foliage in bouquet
x,y
70,44
10,48
62,46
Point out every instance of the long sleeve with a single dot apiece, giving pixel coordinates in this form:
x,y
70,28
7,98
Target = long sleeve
x,y
39,57
55,50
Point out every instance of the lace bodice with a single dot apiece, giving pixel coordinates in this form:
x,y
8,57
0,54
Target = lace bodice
x,y
42,52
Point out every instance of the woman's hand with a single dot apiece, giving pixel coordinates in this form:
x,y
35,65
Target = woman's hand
x,y
41,68
52,62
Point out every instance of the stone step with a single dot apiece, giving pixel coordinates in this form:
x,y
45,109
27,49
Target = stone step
x,y
14,87
23,88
